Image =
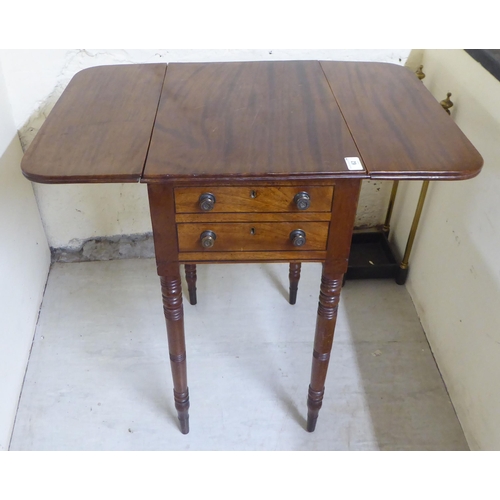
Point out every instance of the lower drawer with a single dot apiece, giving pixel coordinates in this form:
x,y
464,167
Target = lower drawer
x,y
247,237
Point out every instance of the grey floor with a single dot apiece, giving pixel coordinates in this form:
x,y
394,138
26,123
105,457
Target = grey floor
x,y
99,378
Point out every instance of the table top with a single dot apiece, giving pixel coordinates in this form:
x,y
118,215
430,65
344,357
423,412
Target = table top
x,y
237,120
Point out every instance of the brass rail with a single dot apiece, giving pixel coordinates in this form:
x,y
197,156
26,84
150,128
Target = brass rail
x,y
403,267
387,224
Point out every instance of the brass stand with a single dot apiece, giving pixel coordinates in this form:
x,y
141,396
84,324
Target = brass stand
x,y
387,224
403,267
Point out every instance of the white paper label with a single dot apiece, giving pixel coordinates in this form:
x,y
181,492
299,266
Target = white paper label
x,y
354,163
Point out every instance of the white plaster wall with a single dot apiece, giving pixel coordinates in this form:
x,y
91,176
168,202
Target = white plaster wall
x,y
24,265
454,276
36,78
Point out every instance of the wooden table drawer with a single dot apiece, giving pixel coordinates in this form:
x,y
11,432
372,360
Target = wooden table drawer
x,y
247,237
253,199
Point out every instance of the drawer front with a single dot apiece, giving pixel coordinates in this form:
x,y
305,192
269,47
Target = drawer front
x,y
248,237
253,199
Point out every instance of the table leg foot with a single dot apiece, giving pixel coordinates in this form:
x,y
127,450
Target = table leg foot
x,y
182,407
174,316
314,402
325,326
294,277
184,423
191,282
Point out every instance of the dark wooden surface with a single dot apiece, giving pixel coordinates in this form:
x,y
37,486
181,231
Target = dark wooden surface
x,y
171,291
294,277
248,119
191,277
162,209
229,121
400,129
100,128
329,298
334,266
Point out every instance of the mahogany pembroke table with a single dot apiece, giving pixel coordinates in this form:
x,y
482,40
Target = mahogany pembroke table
x,y
249,162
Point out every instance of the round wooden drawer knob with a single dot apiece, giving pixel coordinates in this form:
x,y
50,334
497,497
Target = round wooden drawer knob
x,y
207,202
298,238
207,239
302,200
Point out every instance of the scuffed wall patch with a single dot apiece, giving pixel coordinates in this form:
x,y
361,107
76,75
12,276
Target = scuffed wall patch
x,y
373,202
132,246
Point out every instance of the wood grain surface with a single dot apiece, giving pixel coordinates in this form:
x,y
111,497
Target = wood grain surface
x,y
246,119
400,129
281,120
252,237
254,199
100,128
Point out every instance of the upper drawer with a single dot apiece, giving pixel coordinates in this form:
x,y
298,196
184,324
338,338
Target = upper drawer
x,y
254,199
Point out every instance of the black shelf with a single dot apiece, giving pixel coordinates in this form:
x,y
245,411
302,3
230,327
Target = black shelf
x,y
371,257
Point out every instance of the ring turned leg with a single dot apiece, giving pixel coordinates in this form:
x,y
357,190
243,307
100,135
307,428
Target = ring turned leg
x,y
191,282
174,315
325,325
294,276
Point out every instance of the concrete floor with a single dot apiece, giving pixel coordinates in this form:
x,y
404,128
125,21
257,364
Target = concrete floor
x,y
99,377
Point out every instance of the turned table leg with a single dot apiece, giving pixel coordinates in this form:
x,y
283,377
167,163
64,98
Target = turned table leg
x,y
325,325
294,276
174,315
191,282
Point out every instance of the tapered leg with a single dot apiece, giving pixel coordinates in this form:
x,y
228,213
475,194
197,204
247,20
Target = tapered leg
x,y
294,276
174,315
325,325
191,281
